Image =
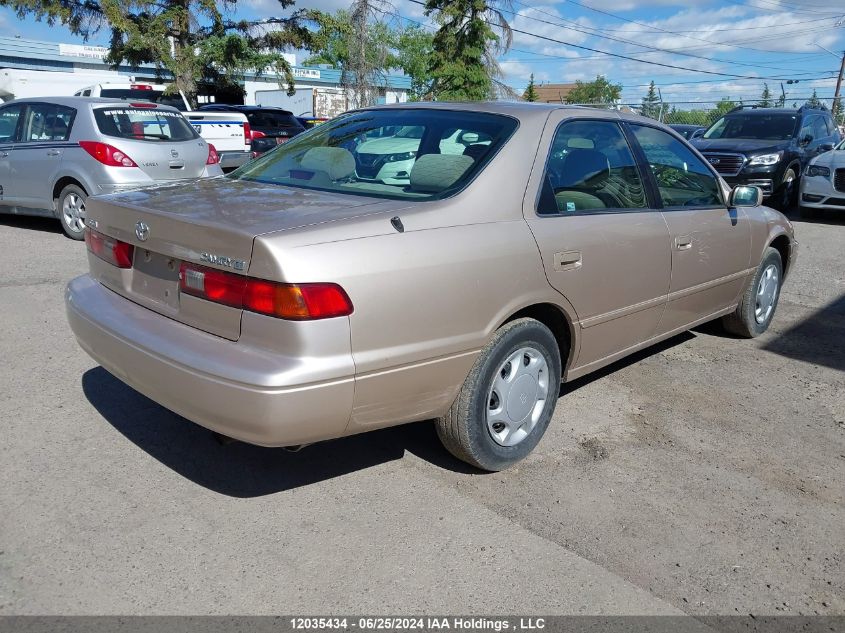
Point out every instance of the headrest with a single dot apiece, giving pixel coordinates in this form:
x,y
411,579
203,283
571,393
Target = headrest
x,y
584,168
476,151
436,172
337,162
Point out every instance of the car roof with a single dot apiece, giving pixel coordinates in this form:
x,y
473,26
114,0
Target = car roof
x,y
519,109
245,108
76,102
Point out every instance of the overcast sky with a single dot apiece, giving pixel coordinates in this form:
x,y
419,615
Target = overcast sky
x,y
775,39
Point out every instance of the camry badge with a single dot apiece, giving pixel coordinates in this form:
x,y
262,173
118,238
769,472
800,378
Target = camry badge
x,y
222,260
142,231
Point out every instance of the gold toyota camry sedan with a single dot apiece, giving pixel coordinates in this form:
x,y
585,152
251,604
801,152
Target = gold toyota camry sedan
x,y
440,261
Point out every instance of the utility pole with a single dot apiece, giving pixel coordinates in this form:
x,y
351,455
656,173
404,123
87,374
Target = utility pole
x,y
836,105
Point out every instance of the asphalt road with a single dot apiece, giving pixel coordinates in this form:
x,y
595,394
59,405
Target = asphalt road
x,y
704,476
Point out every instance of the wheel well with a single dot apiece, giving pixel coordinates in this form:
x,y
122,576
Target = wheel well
x,y
63,182
553,318
781,244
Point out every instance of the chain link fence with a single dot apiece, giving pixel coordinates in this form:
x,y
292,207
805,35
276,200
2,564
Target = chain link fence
x,y
705,113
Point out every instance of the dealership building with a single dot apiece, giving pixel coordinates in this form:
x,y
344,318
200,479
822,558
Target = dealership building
x,y
33,68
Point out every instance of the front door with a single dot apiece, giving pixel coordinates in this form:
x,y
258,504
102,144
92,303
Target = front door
x,y
710,242
603,246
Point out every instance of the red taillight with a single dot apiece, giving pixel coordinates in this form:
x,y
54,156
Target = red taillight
x,y
140,87
107,154
213,156
256,134
298,302
108,249
247,134
144,104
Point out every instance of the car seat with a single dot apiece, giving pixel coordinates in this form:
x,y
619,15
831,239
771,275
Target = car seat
x,y
582,175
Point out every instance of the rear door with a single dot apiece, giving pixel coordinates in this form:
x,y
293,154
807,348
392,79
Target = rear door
x,y
603,245
159,140
711,243
10,116
42,141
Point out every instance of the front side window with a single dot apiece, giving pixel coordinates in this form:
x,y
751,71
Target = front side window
x,y
590,168
398,154
143,124
820,130
683,180
47,122
9,117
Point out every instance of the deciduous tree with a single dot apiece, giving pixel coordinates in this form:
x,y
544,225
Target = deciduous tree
x,y
598,91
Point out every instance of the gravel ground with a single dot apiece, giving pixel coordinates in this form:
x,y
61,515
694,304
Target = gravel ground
x,y
703,476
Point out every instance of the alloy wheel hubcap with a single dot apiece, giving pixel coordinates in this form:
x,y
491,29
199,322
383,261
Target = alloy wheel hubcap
x,y
767,292
73,210
517,397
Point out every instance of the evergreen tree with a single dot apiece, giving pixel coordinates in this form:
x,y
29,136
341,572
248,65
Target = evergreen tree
x,y
814,101
463,61
766,97
651,103
530,93
192,39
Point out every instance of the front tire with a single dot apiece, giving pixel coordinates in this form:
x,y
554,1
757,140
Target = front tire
x,y
786,195
71,210
757,307
507,401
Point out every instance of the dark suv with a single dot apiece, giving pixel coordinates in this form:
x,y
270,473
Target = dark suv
x,y
768,147
268,126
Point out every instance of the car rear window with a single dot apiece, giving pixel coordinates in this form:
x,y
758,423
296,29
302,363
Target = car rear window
x,y
272,119
153,96
143,124
405,153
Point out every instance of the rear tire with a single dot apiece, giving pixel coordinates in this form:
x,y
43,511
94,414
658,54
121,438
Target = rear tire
x,y
507,401
757,307
71,211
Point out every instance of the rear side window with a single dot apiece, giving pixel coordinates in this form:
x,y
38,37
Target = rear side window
x,y
143,124
683,180
9,122
47,122
590,169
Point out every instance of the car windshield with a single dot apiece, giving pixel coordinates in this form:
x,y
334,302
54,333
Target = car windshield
x,y
399,154
757,126
143,124
137,94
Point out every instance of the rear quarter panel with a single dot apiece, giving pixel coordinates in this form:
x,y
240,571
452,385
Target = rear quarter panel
x,y
426,300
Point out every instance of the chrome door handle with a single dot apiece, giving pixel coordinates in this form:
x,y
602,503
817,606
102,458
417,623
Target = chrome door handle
x,y
568,260
54,152
683,242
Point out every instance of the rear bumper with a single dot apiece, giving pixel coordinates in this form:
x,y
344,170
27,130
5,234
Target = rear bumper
x,y
230,160
229,387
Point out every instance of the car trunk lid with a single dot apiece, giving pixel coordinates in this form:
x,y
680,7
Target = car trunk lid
x,y
212,223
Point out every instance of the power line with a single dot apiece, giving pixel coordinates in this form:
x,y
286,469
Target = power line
x,y
624,41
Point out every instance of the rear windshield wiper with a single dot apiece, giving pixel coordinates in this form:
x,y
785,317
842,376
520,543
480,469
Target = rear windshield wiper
x,y
163,137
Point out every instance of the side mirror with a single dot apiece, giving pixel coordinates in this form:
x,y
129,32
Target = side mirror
x,y
807,139
745,196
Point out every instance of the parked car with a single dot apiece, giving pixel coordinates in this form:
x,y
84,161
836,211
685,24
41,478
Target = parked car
x,y
768,147
688,131
823,184
268,126
57,151
229,132
295,301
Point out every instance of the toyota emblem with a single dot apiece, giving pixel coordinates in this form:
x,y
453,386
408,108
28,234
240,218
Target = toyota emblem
x,y
142,231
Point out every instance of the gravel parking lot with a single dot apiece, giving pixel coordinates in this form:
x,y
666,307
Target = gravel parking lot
x,y
704,476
